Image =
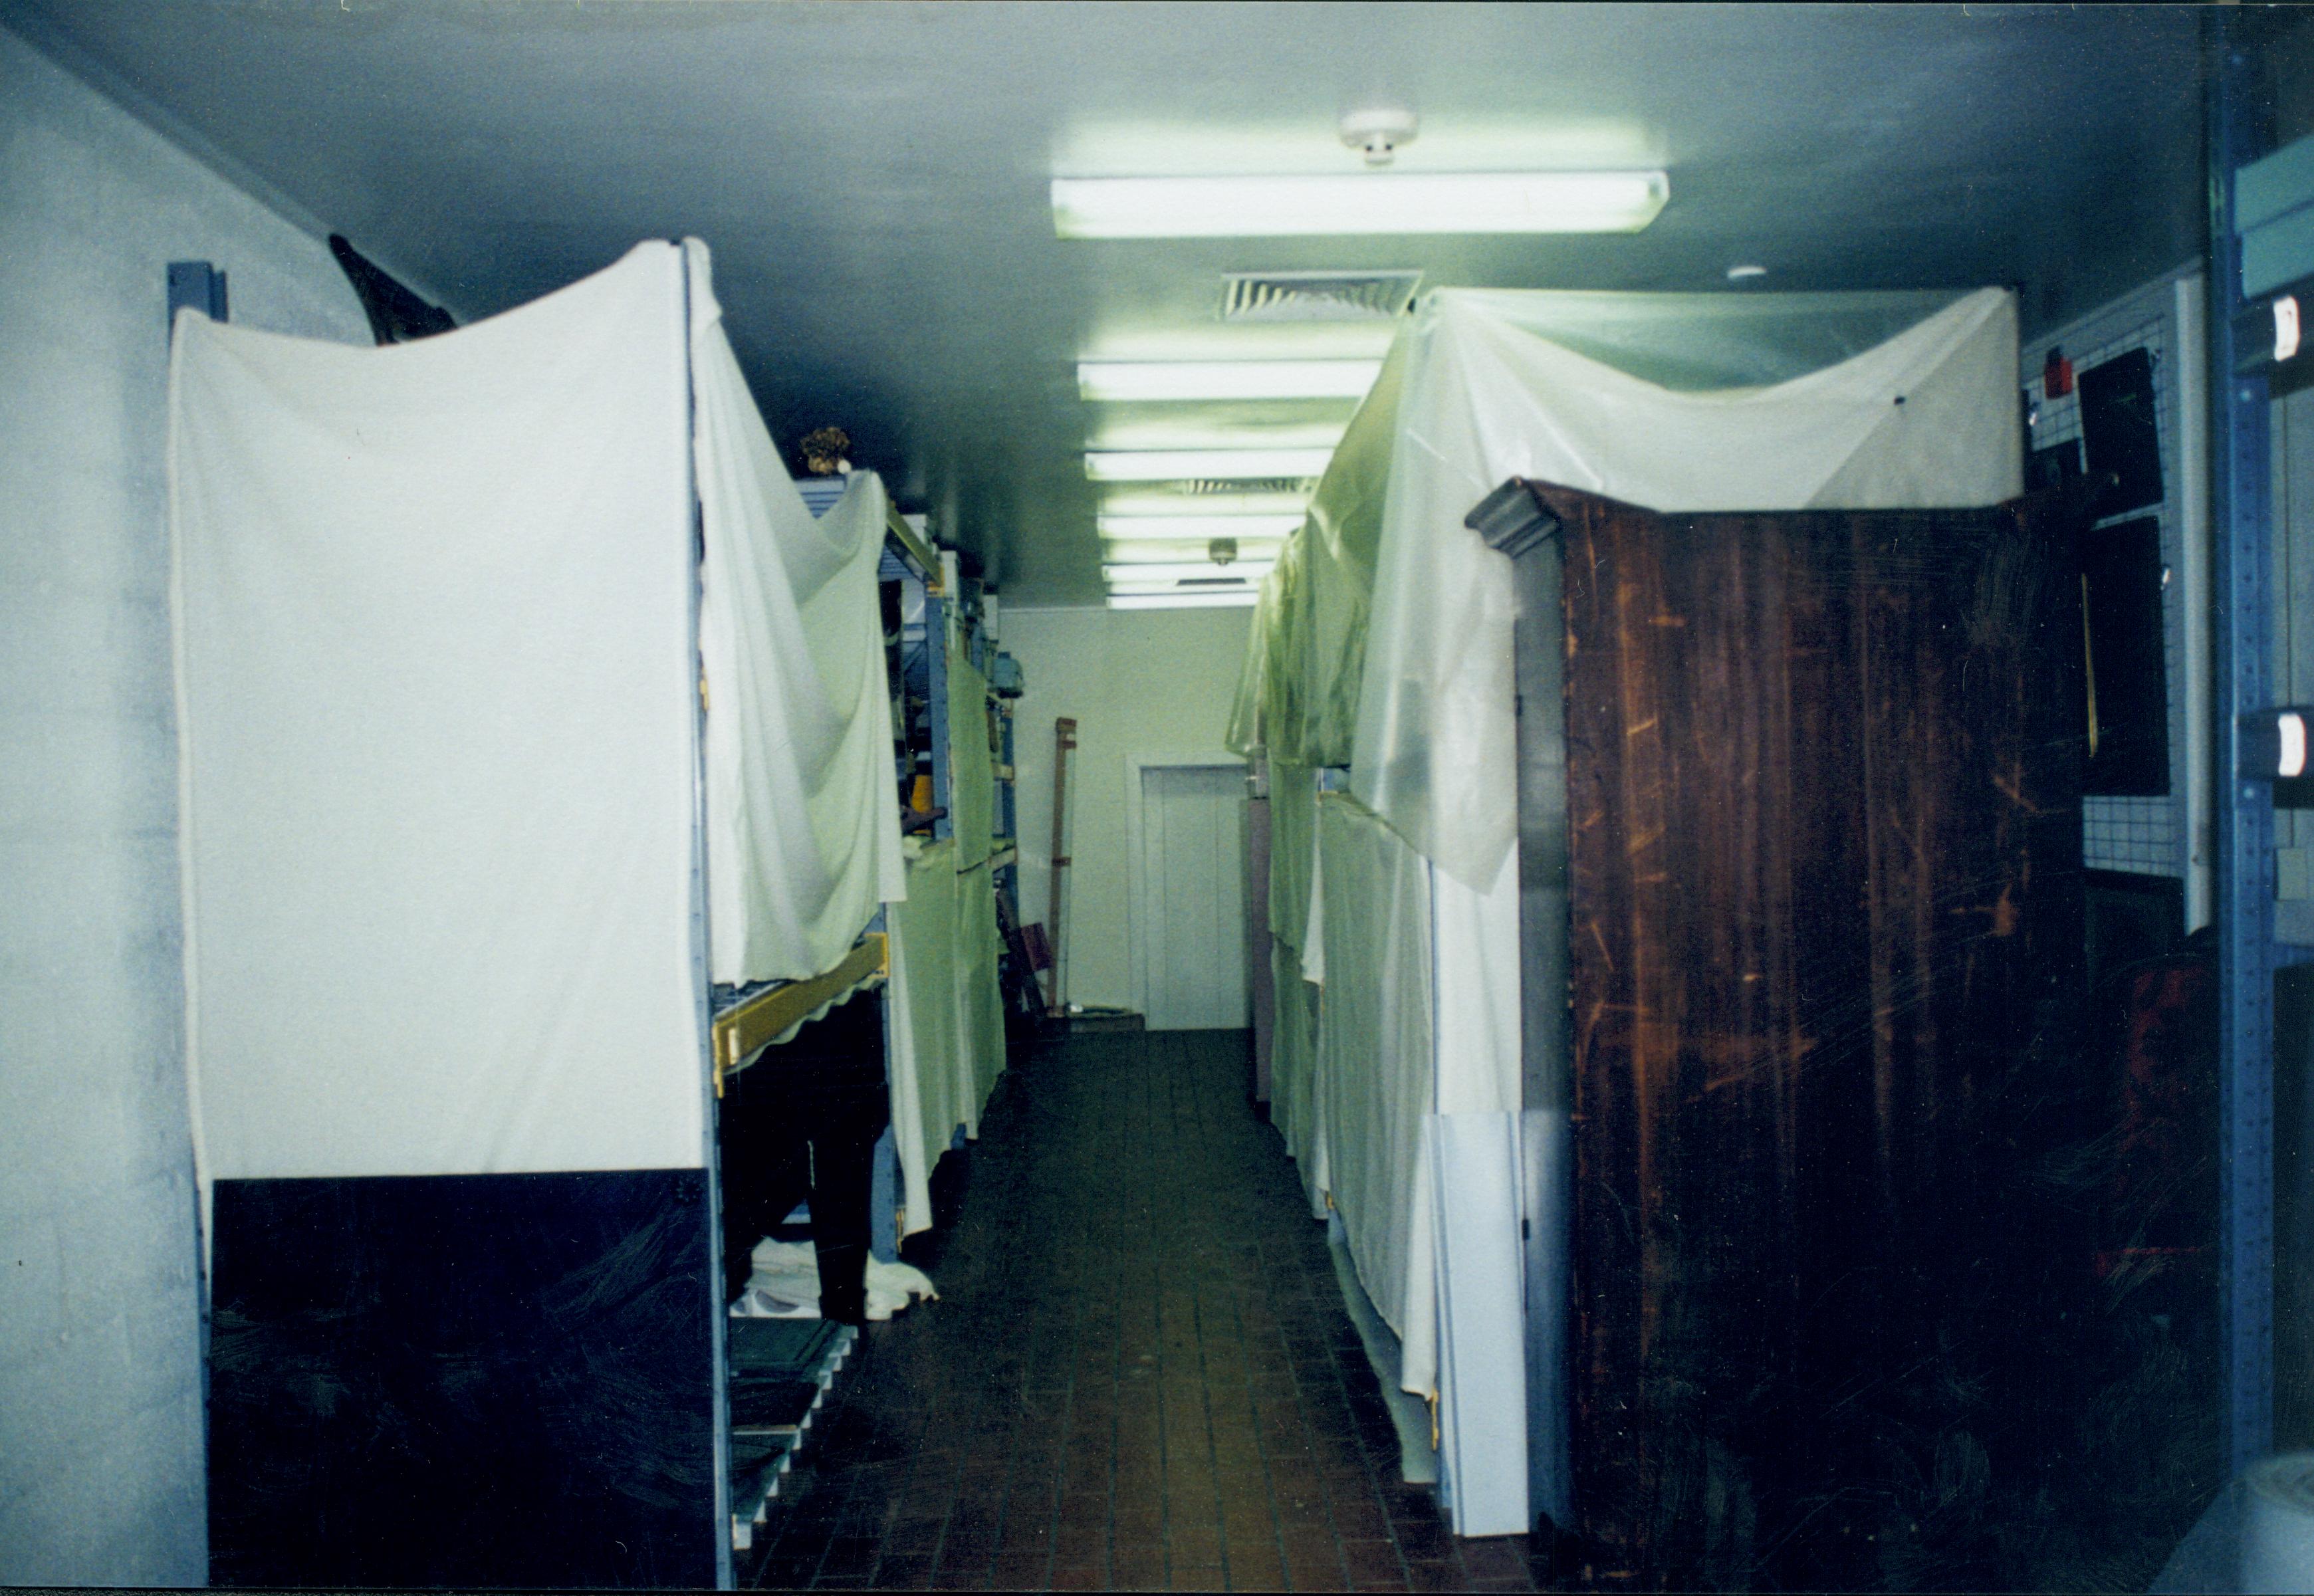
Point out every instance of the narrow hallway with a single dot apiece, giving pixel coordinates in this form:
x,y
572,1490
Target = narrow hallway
x,y
1140,1375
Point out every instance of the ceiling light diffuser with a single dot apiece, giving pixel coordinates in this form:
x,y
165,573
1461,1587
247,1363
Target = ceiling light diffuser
x,y
1358,203
1176,426
1193,599
1203,575
1159,465
1129,578
1141,502
1201,528
1129,380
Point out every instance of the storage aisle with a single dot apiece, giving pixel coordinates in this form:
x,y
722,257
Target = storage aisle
x,y
1140,1373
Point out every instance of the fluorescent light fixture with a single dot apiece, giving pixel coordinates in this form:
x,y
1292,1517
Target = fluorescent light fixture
x,y
1180,426
1205,580
1254,552
1203,528
1163,465
1125,578
1131,380
1355,203
1211,598
1148,502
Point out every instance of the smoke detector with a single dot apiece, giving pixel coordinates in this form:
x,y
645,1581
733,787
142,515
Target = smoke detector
x,y
1378,131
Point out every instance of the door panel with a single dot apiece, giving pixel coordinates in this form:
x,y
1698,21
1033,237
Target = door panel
x,y
1191,928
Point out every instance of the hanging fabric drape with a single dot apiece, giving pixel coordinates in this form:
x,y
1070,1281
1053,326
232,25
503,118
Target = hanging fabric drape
x,y
803,830
1927,417
947,1014
437,699
435,711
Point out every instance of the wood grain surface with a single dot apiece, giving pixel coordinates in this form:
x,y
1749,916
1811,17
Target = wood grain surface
x,y
1825,941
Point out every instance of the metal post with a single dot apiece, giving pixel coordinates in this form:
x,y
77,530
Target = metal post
x,y
1056,901
936,637
703,993
196,284
2240,491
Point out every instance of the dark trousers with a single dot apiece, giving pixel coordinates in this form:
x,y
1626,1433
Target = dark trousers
x,y
801,1123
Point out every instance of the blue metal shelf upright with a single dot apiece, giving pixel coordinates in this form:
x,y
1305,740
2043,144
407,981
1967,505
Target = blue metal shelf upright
x,y
2240,495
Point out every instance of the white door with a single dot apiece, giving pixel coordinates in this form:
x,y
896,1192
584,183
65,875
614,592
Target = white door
x,y
1191,924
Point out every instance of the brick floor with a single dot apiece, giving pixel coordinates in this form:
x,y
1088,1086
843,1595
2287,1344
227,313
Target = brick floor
x,y
1140,1375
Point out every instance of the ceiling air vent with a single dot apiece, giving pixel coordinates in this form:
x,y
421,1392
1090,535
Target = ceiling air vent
x,y
1316,295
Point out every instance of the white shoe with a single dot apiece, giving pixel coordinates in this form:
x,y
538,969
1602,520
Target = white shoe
x,y
906,1280
796,1256
754,1302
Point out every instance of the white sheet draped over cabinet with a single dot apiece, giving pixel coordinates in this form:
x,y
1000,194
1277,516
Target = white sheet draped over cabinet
x,y
1383,641
434,687
1419,1018
1376,1074
1926,418
803,824
437,694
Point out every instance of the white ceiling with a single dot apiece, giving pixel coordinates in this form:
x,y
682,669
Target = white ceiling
x,y
871,177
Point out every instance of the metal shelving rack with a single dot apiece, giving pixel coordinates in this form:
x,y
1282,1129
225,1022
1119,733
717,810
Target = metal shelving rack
x,y
2239,133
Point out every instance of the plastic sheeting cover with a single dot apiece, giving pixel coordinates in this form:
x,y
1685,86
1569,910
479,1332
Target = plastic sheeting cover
x,y
1374,1073
1878,401
929,1090
1292,847
1306,648
979,998
946,1015
432,610
1293,852
803,828
1927,417
972,767
1294,1064
1473,1160
1419,1017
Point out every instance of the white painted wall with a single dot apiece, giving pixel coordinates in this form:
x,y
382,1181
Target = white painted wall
x,y
100,1441
1147,682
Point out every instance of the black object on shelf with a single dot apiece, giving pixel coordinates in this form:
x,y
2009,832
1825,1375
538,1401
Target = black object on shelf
x,y
2120,432
2057,466
2128,687
396,316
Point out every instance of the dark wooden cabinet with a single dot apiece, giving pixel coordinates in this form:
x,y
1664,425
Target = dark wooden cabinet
x,y
1801,835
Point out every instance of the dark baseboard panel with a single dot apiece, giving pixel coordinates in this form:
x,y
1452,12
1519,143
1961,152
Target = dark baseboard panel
x,y
466,1380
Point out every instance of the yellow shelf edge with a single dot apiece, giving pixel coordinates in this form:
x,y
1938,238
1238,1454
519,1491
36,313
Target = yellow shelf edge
x,y
755,1022
921,551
